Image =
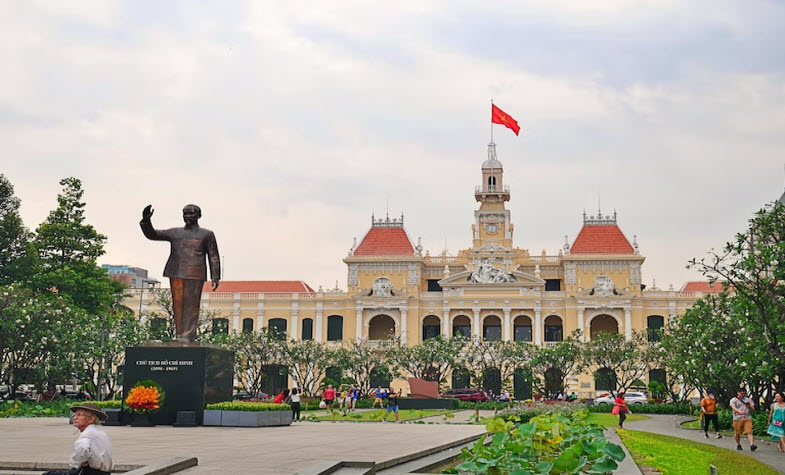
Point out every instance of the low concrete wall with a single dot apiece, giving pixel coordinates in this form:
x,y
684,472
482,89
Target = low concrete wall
x,y
247,418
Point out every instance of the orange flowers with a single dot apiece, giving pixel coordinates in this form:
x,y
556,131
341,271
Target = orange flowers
x,y
146,396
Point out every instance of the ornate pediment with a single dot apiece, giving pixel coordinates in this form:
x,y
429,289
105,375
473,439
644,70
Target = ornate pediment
x,y
516,280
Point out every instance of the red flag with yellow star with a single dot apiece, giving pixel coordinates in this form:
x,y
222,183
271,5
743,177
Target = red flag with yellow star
x,y
498,116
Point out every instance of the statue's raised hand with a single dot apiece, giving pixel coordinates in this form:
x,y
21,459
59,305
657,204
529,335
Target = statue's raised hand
x,y
147,212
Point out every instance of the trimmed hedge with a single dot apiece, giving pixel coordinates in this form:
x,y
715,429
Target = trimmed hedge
x,y
247,406
649,408
107,404
485,406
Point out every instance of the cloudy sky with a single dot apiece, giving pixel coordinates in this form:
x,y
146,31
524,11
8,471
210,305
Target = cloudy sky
x,y
291,122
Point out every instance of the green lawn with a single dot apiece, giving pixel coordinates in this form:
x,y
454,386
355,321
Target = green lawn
x,y
672,455
609,420
376,416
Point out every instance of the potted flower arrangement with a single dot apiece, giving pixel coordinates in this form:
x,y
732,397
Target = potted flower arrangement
x,y
145,398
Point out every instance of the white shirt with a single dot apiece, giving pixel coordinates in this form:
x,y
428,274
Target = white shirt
x,y
296,397
93,446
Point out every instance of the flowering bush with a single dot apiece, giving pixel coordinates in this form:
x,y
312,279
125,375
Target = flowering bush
x,y
145,397
525,411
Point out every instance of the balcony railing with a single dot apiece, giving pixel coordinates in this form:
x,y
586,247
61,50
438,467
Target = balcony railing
x,y
380,343
492,189
551,344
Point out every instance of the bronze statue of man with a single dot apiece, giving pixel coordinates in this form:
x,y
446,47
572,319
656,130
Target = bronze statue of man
x,y
186,268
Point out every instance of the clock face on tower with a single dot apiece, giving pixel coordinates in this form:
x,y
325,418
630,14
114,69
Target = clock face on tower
x,y
491,228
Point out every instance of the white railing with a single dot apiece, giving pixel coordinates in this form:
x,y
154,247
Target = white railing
x,y
551,344
379,343
492,189
444,259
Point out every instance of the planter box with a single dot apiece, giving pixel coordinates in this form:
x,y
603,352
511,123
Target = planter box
x,y
212,418
247,418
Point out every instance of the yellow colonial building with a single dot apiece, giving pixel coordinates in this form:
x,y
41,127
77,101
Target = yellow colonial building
x,y
492,289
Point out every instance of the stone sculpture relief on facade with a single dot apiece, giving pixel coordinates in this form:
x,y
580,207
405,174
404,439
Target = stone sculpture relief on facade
x,y
603,287
382,287
485,273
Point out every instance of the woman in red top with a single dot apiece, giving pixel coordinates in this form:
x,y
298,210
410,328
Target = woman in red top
x,y
621,404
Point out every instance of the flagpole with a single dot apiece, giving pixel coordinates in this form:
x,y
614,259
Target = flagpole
x,y
491,120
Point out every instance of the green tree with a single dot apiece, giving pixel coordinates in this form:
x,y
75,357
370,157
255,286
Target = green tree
x,y
17,257
360,361
752,268
552,368
37,332
307,362
431,360
68,248
254,351
627,359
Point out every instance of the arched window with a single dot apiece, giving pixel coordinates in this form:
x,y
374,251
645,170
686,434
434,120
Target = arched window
x,y
380,377
654,324
158,327
334,373
554,381
334,328
604,380
381,327
460,378
462,326
603,324
430,327
522,384
492,328
307,331
278,326
553,328
492,380
220,325
522,328
247,325
658,375
491,183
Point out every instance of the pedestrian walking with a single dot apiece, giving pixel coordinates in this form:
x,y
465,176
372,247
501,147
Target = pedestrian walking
x,y
742,423
329,397
355,393
377,397
620,408
709,414
777,421
294,399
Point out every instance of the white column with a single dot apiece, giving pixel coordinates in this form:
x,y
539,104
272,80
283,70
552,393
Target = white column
x,y
476,324
236,317
259,316
359,324
446,322
404,314
507,325
581,325
538,327
295,323
627,324
318,323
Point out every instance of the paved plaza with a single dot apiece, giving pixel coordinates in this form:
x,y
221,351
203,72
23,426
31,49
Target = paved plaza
x,y
279,450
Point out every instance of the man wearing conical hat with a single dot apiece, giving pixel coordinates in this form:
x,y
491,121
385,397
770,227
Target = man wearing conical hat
x,y
92,449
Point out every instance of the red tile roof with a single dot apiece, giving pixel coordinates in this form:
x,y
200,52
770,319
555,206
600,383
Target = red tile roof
x,y
385,241
702,286
259,286
601,239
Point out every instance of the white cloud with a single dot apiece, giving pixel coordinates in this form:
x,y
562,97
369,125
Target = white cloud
x,y
289,126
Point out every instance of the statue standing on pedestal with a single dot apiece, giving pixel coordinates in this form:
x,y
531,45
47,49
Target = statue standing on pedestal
x,y
186,266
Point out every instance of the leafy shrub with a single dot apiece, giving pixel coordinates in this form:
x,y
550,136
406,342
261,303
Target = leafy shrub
x,y
247,406
649,408
113,404
35,409
548,443
484,406
525,411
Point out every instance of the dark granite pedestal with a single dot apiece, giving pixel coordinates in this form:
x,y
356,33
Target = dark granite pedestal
x,y
191,374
